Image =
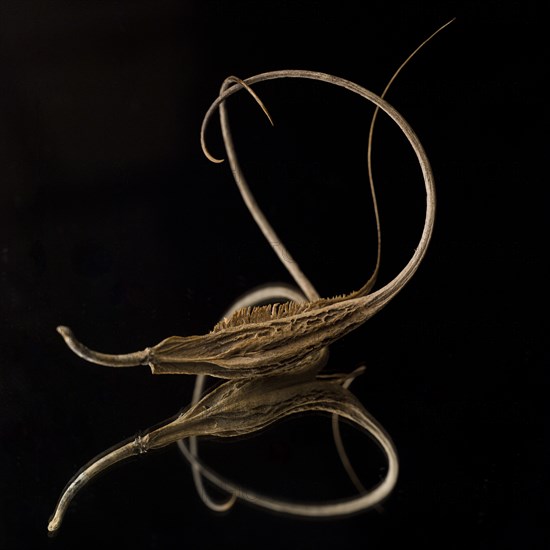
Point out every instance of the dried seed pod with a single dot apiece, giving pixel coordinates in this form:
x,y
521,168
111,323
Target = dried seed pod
x,y
271,354
245,406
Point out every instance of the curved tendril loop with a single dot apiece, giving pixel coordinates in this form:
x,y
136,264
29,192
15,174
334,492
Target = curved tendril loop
x,y
242,83
356,414
383,295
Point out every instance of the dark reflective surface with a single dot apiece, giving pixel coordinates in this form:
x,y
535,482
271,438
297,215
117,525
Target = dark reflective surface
x,y
112,222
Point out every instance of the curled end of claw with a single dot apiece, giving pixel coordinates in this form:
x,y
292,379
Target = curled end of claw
x,y
254,95
66,332
223,507
210,157
355,373
53,525
242,83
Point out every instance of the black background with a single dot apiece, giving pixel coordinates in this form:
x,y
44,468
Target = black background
x,y
114,223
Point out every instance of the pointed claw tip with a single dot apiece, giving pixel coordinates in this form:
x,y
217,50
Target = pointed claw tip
x,y
52,526
63,330
211,158
357,372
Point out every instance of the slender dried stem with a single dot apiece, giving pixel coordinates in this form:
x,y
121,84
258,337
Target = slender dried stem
x,y
259,217
108,360
123,451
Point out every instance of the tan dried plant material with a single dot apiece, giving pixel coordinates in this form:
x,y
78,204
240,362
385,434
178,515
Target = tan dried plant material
x,y
272,356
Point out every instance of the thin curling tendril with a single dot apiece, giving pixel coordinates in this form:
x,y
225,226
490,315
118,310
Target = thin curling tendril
x,y
242,83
